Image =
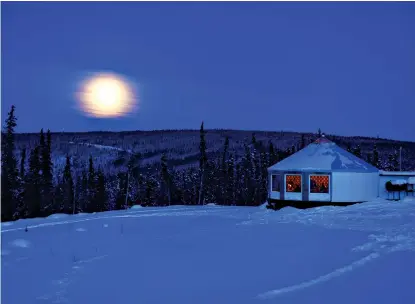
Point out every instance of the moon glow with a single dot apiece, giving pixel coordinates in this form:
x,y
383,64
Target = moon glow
x,y
106,95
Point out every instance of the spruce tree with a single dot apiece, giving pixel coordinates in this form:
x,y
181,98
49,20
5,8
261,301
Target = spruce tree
x,y
22,163
101,193
68,188
224,177
396,160
302,142
21,208
33,191
91,192
9,173
231,183
47,173
202,164
132,168
264,177
357,151
369,158
166,180
59,202
225,151
131,161
78,194
375,158
272,155
255,175
121,191
83,193
393,163
293,150
240,182
247,176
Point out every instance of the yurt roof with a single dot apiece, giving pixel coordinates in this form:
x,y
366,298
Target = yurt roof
x,y
323,155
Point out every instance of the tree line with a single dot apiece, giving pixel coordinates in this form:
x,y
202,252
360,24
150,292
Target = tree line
x,y
30,188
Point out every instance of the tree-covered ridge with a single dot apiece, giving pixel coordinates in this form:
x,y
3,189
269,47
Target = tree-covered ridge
x,y
216,166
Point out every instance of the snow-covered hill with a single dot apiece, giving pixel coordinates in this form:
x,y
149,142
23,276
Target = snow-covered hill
x,y
358,254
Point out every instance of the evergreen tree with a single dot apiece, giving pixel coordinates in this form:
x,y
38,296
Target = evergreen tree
x,y
166,180
58,205
150,191
22,163
375,158
357,151
231,182
132,162
224,178
83,193
253,140
302,142
211,183
132,168
369,158
225,151
264,177
33,191
78,194
272,155
293,150
202,164
248,176
393,164
101,193
255,176
68,189
47,173
9,173
396,160
91,192
349,147
120,202
319,133
21,208
240,182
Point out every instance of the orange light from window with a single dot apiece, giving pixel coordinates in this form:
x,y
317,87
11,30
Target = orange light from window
x,y
319,184
293,183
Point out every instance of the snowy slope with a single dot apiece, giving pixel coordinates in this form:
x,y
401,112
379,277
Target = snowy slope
x,y
358,254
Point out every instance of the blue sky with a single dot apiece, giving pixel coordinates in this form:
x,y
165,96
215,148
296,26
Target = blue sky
x,y
348,68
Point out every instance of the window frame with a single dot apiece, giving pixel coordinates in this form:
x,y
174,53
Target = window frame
x,y
278,178
319,174
301,182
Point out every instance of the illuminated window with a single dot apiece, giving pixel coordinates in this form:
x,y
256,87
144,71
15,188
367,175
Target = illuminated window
x,y
319,184
293,183
275,183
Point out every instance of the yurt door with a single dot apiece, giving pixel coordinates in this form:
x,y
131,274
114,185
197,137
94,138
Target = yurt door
x,y
305,187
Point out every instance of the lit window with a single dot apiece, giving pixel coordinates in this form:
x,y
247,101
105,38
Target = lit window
x,y
275,183
293,183
319,184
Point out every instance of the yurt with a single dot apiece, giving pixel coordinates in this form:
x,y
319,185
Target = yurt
x,y
323,173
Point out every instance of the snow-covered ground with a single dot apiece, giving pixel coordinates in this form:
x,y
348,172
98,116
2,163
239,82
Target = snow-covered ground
x,y
358,254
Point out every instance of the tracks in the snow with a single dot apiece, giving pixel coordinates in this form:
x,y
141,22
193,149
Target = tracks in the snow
x,y
150,212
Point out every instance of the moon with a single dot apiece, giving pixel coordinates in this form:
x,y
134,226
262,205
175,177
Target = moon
x,y
106,95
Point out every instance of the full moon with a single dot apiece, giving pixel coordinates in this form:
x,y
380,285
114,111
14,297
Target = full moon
x,y
106,95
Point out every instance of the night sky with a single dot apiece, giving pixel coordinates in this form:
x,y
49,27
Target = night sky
x,y
347,68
